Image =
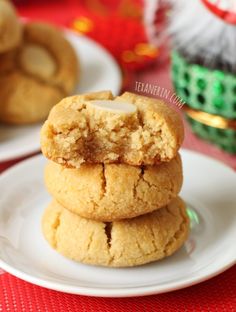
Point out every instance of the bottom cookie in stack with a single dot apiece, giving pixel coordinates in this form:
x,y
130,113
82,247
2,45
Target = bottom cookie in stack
x,y
124,243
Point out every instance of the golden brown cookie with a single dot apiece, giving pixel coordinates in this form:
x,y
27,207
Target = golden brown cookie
x,y
10,27
36,75
121,243
98,128
26,100
114,191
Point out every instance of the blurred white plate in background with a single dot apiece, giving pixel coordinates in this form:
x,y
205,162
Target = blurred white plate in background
x,y
98,71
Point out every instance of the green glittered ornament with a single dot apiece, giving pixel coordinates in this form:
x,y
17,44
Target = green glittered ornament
x,y
208,90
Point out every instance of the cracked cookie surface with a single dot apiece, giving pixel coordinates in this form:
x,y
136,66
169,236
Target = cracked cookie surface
x,y
109,192
77,132
36,75
10,27
123,243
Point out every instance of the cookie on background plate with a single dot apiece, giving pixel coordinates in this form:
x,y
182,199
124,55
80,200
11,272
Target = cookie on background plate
x,y
36,75
100,128
123,243
10,27
109,192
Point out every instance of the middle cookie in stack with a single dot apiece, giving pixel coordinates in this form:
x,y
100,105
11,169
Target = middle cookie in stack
x,y
110,192
107,211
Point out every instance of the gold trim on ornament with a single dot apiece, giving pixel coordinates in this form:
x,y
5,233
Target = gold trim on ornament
x,y
215,121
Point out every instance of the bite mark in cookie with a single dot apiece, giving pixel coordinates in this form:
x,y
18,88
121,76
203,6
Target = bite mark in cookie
x,y
78,132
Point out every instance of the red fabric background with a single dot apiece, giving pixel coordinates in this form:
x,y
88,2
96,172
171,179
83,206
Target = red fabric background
x,y
217,294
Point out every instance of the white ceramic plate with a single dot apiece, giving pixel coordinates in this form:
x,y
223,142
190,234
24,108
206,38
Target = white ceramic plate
x,y
209,188
98,71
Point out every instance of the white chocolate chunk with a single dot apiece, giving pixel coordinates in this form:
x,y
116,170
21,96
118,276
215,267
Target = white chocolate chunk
x,y
37,61
114,106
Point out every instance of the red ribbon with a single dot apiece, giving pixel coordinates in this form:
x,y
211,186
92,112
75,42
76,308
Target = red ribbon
x,y
227,16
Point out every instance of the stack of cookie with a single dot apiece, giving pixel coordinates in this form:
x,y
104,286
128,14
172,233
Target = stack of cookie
x,y
115,174
38,67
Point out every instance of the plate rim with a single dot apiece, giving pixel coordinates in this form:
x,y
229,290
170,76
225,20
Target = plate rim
x,y
108,292
228,262
19,154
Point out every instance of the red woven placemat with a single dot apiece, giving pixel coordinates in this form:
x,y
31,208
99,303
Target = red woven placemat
x,y
217,294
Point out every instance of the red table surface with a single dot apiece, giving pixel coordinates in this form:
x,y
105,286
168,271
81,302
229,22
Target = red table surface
x,y
217,294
